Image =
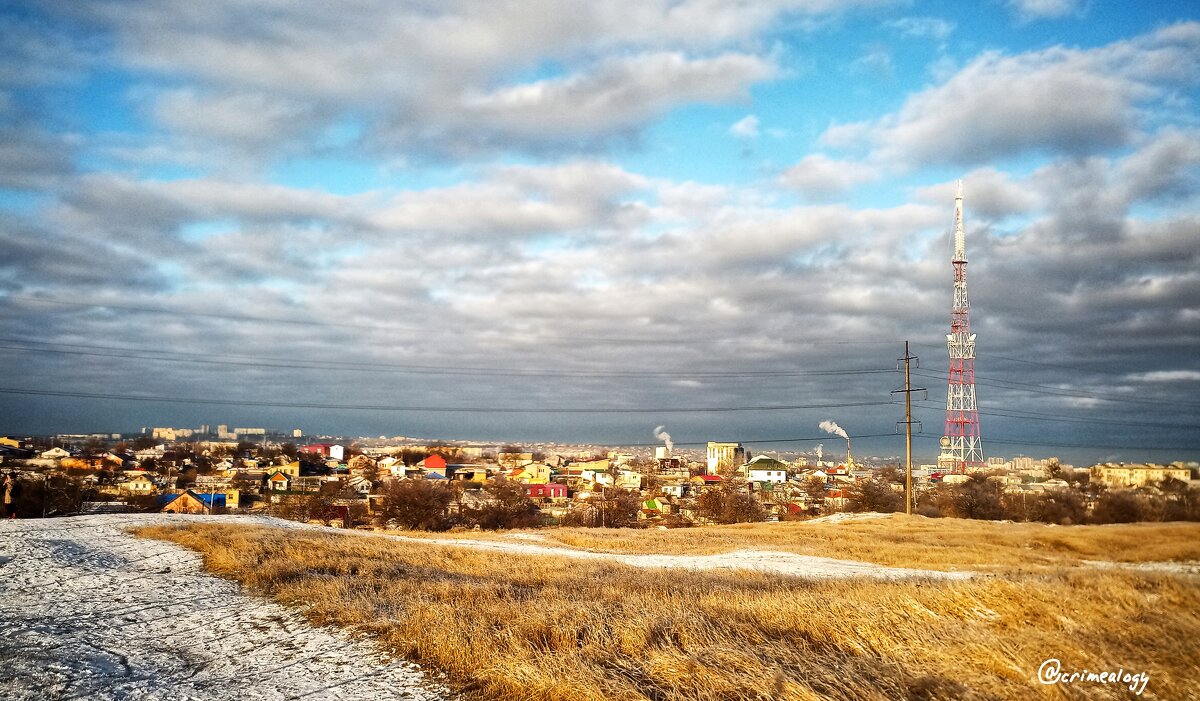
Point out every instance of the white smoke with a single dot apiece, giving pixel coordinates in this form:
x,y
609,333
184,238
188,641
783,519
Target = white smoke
x,y
665,437
833,428
820,452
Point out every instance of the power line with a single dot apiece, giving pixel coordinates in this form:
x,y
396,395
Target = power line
x,y
1056,391
1055,418
541,335
1004,441
126,353
440,409
1037,363
805,439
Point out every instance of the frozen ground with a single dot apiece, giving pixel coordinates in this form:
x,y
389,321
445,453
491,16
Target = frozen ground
x,y
88,611
783,563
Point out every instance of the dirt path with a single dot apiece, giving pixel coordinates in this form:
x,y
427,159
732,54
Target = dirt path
x,y
88,611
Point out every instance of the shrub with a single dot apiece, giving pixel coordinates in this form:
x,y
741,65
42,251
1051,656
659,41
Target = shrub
x,y
417,505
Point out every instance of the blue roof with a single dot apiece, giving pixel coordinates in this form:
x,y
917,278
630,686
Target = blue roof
x,y
209,500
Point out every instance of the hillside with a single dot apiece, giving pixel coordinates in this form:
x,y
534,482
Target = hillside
x,y
510,622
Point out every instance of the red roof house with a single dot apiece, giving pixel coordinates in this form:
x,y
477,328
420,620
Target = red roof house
x,y
551,490
434,462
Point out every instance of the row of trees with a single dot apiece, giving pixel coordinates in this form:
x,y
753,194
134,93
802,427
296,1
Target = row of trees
x,y
439,506
56,495
435,506
981,498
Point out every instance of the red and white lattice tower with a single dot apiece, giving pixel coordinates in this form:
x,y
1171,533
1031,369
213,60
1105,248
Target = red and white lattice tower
x,y
962,450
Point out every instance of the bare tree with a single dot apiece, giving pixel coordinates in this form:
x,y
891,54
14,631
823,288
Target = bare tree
x,y
731,502
417,504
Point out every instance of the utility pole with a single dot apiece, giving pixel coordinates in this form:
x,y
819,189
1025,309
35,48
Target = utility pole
x,y
908,424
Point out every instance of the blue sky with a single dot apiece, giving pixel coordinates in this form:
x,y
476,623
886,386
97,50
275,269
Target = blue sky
x,y
635,209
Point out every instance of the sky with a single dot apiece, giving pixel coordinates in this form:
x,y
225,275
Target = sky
x,y
578,221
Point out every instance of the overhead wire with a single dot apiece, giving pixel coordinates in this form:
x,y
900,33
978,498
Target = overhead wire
x,y
1055,391
127,353
1044,444
1058,418
297,321
444,409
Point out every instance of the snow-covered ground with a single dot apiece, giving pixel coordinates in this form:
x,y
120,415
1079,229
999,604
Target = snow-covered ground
x,y
784,563
88,611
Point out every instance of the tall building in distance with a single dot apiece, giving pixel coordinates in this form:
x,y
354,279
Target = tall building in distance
x,y
962,448
722,456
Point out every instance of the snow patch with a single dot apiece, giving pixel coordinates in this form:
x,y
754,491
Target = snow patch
x,y
87,610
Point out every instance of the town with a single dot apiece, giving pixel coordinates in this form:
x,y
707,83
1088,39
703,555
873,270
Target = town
x,y
404,483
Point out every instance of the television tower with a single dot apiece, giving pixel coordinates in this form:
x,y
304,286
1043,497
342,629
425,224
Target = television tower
x,y
962,450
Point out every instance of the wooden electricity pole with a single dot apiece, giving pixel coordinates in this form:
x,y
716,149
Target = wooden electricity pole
x,y
908,424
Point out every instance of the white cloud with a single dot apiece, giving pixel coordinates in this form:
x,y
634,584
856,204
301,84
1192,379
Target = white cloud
x,y
618,95
1029,10
1000,106
452,78
876,62
819,177
30,158
1167,376
988,193
745,128
248,120
934,28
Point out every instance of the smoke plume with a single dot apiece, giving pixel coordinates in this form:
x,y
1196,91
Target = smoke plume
x,y
820,452
665,437
833,428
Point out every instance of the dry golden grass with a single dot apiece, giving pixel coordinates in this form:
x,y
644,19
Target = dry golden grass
x,y
911,541
522,627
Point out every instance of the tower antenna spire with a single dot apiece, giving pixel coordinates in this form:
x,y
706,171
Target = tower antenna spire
x,y
960,237
962,449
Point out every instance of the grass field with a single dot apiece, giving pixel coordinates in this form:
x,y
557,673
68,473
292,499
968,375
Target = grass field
x,y
522,627
912,541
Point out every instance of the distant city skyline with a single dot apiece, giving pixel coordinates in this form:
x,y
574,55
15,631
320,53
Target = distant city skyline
x,y
579,223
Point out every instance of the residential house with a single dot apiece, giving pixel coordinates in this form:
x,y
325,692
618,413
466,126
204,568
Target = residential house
x,y
362,466
550,491
118,460
577,467
653,508
764,475
359,484
291,469
629,479
332,451
533,473
55,454
476,475
279,481
511,460
139,485
837,498
673,488
672,465
434,463
150,453
191,502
